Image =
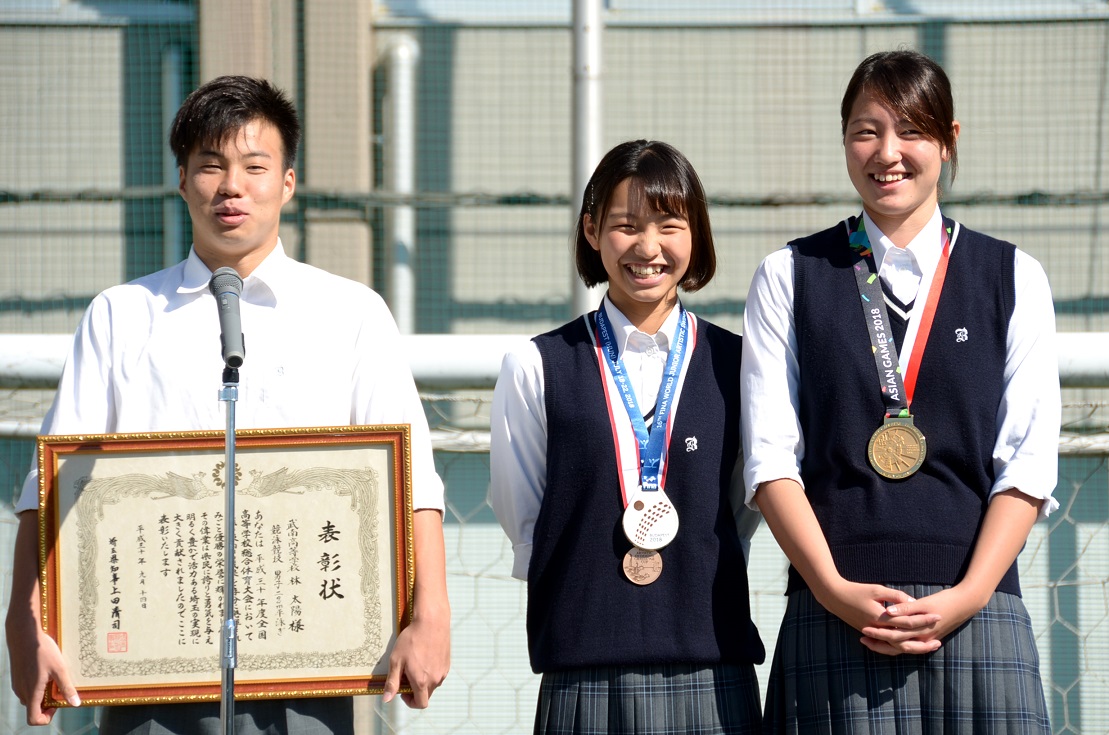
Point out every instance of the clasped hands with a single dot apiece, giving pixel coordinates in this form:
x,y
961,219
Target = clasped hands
x,y
891,621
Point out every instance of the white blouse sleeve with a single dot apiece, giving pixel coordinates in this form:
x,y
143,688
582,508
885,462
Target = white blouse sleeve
x,y
769,377
518,451
1026,453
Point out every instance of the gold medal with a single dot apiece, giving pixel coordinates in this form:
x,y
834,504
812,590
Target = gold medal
x,y
642,566
896,450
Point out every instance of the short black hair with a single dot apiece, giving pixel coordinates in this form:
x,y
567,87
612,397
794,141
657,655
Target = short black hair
x,y
662,177
218,109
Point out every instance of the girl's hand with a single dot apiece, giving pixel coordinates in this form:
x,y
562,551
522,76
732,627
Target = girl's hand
x,y
865,607
1005,528
919,626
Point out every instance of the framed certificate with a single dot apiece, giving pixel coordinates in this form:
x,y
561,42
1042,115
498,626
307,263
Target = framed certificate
x,y
131,555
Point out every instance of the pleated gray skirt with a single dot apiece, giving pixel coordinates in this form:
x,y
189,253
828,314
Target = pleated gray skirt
x,y
983,680
650,700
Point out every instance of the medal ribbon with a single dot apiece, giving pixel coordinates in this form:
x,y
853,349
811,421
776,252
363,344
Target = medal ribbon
x,y
897,390
651,445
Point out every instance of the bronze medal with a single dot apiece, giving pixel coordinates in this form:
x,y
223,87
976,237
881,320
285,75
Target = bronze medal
x,y
896,450
642,566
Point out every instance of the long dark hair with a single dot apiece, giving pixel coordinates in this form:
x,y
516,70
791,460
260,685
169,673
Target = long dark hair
x,y
913,85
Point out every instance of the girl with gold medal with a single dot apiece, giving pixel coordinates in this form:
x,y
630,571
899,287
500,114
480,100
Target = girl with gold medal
x,y
901,414
615,471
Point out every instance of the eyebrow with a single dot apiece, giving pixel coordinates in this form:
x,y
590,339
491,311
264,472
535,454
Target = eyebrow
x,y
875,120
648,214
219,154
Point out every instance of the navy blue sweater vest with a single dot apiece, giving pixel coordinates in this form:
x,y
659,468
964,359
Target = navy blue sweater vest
x,y
920,529
582,610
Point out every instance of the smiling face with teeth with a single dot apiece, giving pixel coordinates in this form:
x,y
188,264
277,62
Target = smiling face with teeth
x,y
898,122
895,167
645,253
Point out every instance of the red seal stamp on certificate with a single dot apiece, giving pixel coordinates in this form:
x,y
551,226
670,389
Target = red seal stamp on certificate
x,y
642,566
117,642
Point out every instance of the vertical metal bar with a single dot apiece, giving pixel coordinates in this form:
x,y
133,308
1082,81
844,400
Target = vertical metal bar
x,y
174,242
229,638
404,55
587,151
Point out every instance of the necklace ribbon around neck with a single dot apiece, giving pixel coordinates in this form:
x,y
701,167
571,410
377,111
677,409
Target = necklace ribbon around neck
x,y
897,448
650,520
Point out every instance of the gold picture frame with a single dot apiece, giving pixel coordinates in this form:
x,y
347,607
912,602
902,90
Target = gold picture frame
x,y
324,561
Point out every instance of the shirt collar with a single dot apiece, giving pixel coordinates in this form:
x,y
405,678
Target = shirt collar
x,y
923,251
260,287
623,327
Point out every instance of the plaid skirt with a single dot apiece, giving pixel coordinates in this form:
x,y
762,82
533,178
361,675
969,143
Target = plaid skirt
x,y
984,679
672,699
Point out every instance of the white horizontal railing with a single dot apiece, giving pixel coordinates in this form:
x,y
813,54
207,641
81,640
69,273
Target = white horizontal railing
x,y
442,362
438,361
472,361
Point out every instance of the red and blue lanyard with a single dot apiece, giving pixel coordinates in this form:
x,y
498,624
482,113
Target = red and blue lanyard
x,y
651,445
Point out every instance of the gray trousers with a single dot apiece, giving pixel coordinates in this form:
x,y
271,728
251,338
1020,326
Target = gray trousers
x,y
315,716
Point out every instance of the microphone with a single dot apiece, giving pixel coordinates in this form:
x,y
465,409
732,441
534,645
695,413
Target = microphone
x,y
226,286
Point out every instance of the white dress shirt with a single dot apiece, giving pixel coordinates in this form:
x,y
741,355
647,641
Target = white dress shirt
x,y
518,430
1025,454
321,350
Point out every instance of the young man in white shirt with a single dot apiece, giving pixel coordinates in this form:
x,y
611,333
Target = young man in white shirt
x,y
324,352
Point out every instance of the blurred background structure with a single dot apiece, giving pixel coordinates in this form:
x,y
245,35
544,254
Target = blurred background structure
x,y
438,166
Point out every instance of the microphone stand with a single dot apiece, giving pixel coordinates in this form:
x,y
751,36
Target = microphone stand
x,y
228,640
227,287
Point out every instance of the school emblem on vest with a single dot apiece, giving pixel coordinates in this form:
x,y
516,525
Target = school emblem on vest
x,y
961,334
691,444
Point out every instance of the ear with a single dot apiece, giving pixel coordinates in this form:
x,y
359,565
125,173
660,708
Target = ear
x,y
181,181
589,229
290,186
955,136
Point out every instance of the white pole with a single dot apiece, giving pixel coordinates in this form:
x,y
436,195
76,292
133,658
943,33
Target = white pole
x,y
587,152
400,146
174,245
